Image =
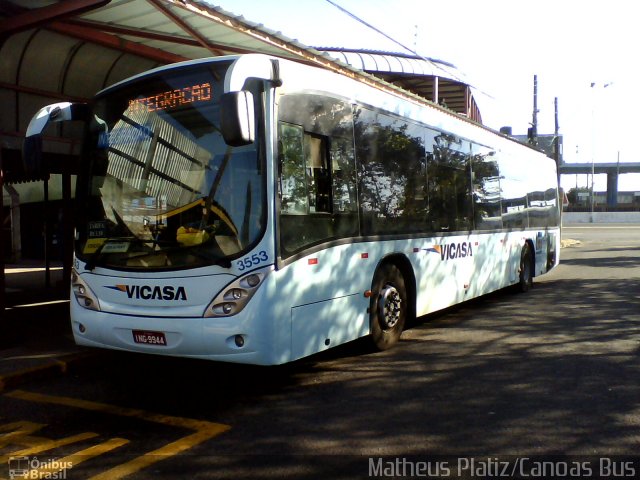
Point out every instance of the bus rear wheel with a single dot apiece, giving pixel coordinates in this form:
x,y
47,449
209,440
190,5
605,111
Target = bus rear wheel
x,y
526,269
388,307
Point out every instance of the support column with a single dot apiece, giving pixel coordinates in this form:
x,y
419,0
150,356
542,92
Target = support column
x,y
67,235
16,239
2,280
47,233
612,189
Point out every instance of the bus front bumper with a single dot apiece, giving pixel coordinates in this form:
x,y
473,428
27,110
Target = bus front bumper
x,y
219,339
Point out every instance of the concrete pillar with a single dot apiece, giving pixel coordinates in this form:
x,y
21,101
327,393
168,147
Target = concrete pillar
x,y
612,189
16,240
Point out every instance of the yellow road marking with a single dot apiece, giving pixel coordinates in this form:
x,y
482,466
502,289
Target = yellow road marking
x,y
47,444
17,430
204,430
9,379
48,469
149,458
119,411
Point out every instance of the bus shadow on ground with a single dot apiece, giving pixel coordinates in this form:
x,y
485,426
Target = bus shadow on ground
x,y
553,371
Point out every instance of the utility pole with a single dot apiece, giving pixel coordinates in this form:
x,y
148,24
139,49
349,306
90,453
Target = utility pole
x,y
556,138
533,131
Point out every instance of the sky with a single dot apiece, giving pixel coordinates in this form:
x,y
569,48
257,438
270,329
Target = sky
x,y
582,52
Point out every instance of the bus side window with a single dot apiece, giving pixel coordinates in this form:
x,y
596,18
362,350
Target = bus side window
x,y
318,173
305,175
293,189
485,177
449,184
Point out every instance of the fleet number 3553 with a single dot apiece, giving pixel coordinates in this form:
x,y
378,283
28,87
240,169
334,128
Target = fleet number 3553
x,y
252,261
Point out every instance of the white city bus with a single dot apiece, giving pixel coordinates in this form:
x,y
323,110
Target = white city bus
x,y
257,210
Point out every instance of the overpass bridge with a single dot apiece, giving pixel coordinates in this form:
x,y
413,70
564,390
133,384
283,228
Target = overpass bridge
x,y
612,170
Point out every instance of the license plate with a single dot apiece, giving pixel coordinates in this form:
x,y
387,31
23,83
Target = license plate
x,y
149,338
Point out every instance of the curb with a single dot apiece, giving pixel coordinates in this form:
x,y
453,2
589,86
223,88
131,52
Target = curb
x,y
56,365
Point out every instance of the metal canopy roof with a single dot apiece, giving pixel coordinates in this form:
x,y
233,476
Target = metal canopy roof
x,y
429,78
53,50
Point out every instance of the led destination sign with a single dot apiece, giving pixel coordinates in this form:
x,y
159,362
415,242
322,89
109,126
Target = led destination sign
x,y
172,98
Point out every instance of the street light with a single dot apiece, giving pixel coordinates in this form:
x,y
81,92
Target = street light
x,y
593,140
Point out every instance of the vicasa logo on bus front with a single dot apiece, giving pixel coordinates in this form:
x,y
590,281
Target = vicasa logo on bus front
x,y
450,251
146,292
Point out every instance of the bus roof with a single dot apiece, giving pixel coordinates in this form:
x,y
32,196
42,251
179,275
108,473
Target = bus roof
x,y
348,73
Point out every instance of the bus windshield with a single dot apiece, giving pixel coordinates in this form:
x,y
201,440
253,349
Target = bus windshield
x,y
159,187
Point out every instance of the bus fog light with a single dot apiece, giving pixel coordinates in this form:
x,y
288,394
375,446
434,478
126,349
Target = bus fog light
x,y
239,340
82,328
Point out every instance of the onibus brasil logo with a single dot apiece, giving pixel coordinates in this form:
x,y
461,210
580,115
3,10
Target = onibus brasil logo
x,y
32,467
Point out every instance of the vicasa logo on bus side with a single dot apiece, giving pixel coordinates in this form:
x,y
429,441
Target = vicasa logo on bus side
x,y
450,251
146,292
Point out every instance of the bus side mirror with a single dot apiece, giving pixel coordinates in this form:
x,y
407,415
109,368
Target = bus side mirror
x,y
57,112
237,118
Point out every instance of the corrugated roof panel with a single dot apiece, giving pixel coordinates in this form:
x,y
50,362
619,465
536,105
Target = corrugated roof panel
x,y
223,31
414,74
119,11
186,51
150,19
88,69
10,53
394,64
354,59
189,52
127,66
203,29
133,14
369,62
415,66
44,62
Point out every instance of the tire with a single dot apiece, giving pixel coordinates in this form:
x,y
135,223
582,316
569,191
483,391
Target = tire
x,y
526,270
551,253
388,307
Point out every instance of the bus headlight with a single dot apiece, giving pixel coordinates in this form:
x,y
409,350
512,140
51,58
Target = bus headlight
x,y
235,296
84,296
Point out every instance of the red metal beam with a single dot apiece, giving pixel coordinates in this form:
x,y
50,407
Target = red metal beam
x,y
41,93
111,41
150,35
185,26
132,32
41,16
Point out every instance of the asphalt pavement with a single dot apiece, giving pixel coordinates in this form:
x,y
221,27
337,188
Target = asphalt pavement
x,y
35,331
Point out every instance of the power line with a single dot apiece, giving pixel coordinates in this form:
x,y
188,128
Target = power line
x,y
388,37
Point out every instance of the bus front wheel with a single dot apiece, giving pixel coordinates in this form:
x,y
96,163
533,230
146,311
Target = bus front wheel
x,y
388,307
526,269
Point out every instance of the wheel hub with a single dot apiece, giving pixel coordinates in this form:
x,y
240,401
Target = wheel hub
x,y
389,307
